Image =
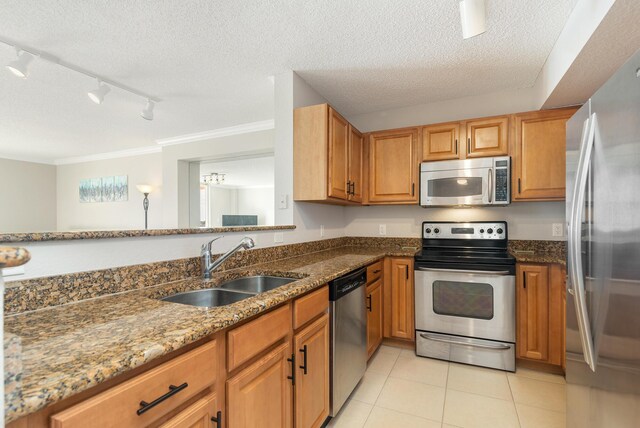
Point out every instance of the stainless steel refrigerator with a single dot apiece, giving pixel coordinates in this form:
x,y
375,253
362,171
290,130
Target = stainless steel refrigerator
x,y
603,216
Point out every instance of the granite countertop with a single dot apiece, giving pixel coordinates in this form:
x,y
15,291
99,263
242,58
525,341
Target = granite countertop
x,y
57,352
12,256
539,251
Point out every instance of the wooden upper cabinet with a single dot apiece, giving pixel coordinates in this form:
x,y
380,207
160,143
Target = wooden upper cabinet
x,y
356,152
539,155
487,137
338,155
312,374
393,166
327,157
441,142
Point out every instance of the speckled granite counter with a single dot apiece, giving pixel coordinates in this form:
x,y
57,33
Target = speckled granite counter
x,y
57,352
11,256
539,251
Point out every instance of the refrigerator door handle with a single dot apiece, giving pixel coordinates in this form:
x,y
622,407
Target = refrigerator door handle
x,y
575,224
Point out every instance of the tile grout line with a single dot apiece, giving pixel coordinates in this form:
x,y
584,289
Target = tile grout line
x,y
513,398
446,388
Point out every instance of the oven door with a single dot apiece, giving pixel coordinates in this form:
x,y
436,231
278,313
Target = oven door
x,y
471,303
455,187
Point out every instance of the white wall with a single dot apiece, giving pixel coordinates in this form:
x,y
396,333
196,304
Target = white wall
x,y
257,201
143,169
526,220
222,201
27,196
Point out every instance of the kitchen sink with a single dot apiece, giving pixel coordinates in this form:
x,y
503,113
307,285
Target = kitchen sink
x,y
230,292
256,284
209,298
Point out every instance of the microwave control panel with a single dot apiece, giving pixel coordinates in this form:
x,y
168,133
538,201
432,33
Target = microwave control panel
x,y
502,181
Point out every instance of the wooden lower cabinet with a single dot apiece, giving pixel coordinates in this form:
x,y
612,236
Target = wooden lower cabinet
x,y
374,316
312,374
540,313
198,415
260,395
399,300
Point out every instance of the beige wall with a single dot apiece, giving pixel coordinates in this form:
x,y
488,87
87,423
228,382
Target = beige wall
x,y
27,196
143,169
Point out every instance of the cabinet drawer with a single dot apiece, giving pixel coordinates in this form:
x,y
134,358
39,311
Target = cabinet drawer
x,y
310,306
374,271
119,406
198,414
249,340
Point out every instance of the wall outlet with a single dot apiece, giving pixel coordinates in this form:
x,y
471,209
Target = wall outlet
x,y
557,229
278,237
382,229
321,230
283,201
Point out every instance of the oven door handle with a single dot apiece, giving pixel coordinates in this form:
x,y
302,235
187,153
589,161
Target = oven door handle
x,y
447,339
478,272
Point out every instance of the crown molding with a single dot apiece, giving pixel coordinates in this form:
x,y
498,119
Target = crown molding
x,y
27,159
109,155
245,128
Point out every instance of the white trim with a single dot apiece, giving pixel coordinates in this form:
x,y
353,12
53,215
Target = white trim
x,y
27,159
109,155
245,128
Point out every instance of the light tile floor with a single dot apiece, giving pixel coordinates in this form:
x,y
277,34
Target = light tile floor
x,y
401,390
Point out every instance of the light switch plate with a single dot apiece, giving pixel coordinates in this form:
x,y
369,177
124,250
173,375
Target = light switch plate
x,y
278,237
321,230
382,229
283,201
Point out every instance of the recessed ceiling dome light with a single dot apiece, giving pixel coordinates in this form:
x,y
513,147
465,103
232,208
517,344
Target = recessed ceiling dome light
x,y
473,17
147,111
20,67
98,94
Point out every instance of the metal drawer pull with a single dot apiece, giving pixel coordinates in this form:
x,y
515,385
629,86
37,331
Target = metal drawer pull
x,y
304,359
479,272
173,390
462,342
292,360
217,419
377,271
369,305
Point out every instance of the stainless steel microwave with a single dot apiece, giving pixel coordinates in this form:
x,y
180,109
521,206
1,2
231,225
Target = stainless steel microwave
x,y
481,181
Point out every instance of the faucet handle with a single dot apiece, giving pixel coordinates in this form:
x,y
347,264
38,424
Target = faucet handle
x,y
207,247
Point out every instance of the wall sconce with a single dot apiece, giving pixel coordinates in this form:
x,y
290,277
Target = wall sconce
x,y
145,189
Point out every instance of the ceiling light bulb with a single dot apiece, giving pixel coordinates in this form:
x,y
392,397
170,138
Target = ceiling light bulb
x,y
20,67
98,94
473,17
147,111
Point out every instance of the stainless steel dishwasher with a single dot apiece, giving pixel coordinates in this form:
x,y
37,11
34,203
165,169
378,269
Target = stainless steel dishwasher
x,y
348,335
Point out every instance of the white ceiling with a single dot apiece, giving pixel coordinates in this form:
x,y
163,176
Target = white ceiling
x,y
210,62
253,172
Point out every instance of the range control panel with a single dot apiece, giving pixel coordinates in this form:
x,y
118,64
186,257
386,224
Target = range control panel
x,y
473,230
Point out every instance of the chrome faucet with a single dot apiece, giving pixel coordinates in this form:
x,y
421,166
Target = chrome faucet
x,y
207,265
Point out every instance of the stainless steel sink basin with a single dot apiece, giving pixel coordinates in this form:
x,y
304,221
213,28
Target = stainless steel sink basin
x,y
256,284
209,298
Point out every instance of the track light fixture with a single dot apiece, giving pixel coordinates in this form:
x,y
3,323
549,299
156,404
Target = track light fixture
x,y
20,67
473,17
98,94
147,111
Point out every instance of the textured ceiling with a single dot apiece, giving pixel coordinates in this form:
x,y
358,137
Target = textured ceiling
x,y
210,62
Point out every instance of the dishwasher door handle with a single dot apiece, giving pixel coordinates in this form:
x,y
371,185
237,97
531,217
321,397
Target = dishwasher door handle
x,y
468,342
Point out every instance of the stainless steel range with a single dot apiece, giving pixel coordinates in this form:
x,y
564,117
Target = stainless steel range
x,y
465,294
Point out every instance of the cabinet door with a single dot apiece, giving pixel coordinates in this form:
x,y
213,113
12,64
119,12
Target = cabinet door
x,y
540,155
197,415
356,147
402,308
374,316
488,137
338,140
393,166
533,311
312,374
441,142
260,395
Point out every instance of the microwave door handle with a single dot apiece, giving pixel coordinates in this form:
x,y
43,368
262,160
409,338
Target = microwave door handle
x,y
490,185
576,273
